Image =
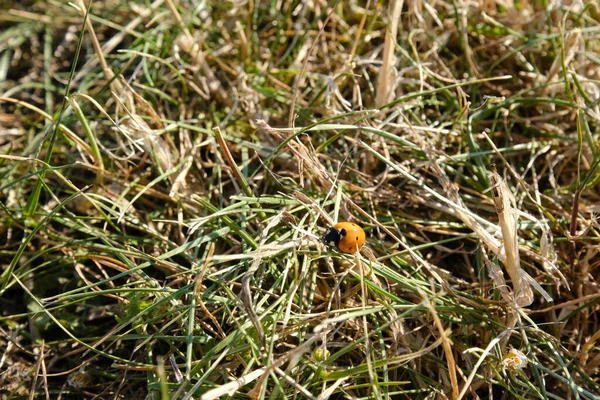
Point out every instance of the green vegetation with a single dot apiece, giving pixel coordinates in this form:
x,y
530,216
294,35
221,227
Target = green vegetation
x,y
168,167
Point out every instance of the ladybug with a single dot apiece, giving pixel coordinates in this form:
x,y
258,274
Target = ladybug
x,y
345,236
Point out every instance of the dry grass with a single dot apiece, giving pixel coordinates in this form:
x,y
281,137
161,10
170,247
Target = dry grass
x,y
168,169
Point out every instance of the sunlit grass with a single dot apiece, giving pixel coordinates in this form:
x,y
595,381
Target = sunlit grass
x,y
168,170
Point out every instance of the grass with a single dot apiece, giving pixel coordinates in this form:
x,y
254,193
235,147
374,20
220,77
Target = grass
x,y
167,170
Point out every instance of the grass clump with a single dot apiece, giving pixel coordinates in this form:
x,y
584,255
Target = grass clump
x,y
168,169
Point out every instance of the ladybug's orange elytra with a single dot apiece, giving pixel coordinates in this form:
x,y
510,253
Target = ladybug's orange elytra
x,y
345,236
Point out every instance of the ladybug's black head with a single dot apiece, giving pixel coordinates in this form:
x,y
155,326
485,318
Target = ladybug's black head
x,y
332,237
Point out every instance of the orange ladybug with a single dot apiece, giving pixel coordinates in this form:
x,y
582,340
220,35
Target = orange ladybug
x,y
345,236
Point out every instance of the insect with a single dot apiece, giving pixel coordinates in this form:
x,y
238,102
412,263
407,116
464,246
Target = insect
x,y
345,236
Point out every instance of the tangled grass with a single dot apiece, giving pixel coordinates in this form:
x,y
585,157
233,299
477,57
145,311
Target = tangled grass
x,y
169,167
